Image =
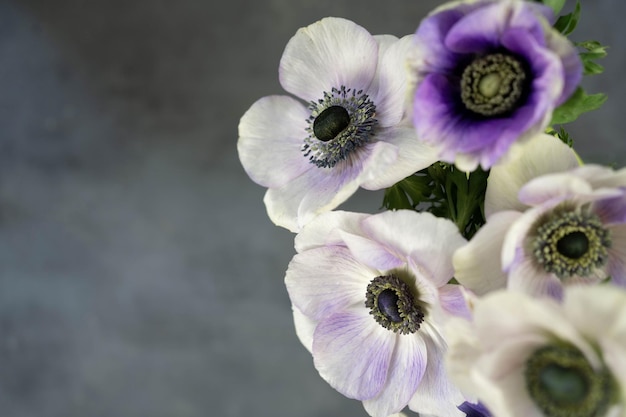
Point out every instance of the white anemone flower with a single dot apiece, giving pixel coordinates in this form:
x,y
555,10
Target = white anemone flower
x,y
370,295
548,227
351,130
523,356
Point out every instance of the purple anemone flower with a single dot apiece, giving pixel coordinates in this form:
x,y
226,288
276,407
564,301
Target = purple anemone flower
x,y
370,296
487,74
351,130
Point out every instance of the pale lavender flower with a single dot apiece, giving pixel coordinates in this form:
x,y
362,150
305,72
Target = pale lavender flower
x,y
351,130
525,356
370,295
487,74
556,229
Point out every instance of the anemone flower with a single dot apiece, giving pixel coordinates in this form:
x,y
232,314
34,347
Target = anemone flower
x,y
524,356
487,74
351,130
370,294
554,230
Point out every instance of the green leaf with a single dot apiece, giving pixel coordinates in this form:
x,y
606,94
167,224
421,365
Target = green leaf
x,y
576,105
567,23
396,199
594,50
556,5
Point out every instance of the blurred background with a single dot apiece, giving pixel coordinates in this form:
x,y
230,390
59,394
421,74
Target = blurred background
x,y
139,274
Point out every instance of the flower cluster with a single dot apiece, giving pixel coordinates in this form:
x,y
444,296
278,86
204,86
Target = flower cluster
x,y
492,283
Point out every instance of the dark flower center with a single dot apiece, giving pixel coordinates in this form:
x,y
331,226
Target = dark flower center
x,y
573,245
493,85
387,304
331,122
571,242
562,383
393,304
341,122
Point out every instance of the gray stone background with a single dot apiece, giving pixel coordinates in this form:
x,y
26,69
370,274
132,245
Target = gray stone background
x,y
139,275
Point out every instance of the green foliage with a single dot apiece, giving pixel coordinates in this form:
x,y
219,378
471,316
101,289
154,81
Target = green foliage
x,y
445,191
579,103
566,23
562,135
593,50
556,5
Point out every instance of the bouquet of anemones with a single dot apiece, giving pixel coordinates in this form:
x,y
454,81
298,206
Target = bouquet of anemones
x,y
493,281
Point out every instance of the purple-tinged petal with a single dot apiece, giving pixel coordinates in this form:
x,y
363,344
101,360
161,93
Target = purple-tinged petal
x,y
277,123
353,353
481,30
332,52
406,370
453,301
547,69
572,65
526,277
429,53
542,189
616,267
322,189
566,185
611,210
296,203
325,280
371,253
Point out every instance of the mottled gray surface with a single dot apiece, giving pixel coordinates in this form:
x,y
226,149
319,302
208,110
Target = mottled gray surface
x,y
139,275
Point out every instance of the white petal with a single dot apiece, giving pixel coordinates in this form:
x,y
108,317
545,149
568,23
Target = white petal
x,y
330,53
318,190
389,89
405,373
463,351
499,380
429,241
413,155
305,327
371,253
599,312
542,154
271,134
325,229
477,265
436,394
508,315
324,280
352,353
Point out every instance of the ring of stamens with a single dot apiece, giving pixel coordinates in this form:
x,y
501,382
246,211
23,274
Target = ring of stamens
x,y
571,243
493,85
341,121
393,305
562,383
